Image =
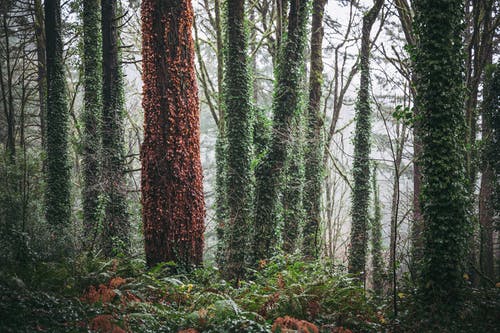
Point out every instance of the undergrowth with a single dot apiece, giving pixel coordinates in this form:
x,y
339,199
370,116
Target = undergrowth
x,y
283,295
122,296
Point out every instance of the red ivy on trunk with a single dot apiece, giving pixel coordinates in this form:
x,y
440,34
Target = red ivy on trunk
x,y
172,189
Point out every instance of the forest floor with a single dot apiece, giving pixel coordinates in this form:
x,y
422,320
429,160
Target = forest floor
x,y
284,295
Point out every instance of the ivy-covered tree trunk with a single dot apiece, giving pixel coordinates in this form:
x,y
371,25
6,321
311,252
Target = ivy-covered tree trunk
x,y
220,197
293,188
491,96
494,152
376,239
315,140
58,209
286,109
116,227
92,63
445,203
172,187
488,208
238,122
361,164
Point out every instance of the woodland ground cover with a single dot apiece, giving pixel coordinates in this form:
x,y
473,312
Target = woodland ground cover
x,y
283,295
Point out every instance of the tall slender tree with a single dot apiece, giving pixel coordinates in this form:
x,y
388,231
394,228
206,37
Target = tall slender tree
x,y
172,188
286,109
494,152
361,167
488,201
238,122
491,95
58,210
92,63
439,83
220,172
292,198
7,88
315,141
39,23
376,238
116,226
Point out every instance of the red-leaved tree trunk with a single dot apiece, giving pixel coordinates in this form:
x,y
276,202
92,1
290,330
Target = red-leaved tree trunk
x,y
172,189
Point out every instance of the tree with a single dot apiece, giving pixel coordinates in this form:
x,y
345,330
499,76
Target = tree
x,y
238,122
116,224
172,189
405,15
58,209
7,94
92,63
478,61
439,83
314,159
286,109
292,197
217,111
361,164
376,238
488,199
17,84
494,151
41,66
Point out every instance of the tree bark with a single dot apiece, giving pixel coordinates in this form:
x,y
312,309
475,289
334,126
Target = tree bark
x,y
172,188
116,227
42,69
91,141
58,209
361,164
269,173
445,200
488,208
315,140
238,122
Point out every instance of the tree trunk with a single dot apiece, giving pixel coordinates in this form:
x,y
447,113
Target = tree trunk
x,y
286,110
488,209
238,122
8,99
42,69
494,152
293,188
172,188
58,209
116,227
361,164
315,140
92,62
376,239
445,200
406,19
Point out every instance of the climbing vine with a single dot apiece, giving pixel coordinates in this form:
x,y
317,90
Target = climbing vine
x,y
286,108
376,238
57,196
172,188
491,106
362,147
438,66
238,131
315,137
92,63
116,227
